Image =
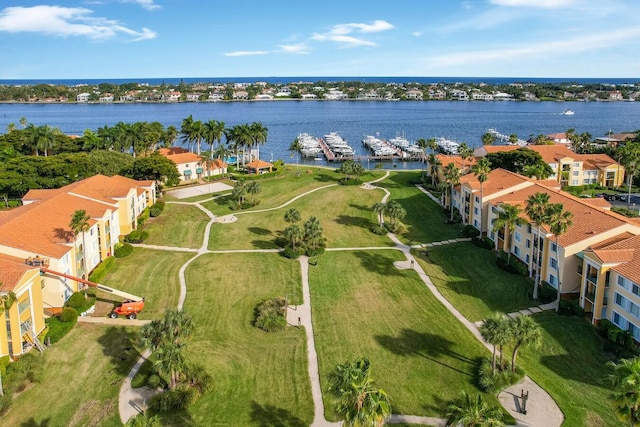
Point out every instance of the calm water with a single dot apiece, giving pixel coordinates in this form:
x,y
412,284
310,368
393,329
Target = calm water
x,y
459,121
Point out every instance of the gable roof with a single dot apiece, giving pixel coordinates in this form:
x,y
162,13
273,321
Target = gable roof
x,y
259,164
498,180
12,270
556,152
627,253
445,159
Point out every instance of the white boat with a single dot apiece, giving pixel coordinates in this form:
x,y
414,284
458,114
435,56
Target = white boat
x,y
309,146
338,145
568,112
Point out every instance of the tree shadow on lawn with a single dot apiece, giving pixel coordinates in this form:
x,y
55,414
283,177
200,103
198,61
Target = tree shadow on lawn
x,y
120,345
264,244
378,263
31,422
271,416
430,346
259,231
361,208
323,177
357,221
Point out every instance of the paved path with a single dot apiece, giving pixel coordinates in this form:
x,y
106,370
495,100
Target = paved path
x,y
120,321
542,410
197,190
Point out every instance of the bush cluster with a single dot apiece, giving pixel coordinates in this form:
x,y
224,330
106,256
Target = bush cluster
x,y
547,293
484,243
69,315
123,250
570,308
28,369
470,231
136,236
617,341
156,209
270,315
101,270
501,380
513,266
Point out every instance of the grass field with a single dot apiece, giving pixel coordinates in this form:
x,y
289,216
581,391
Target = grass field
x,y
150,274
571,367
345,213
363,306
178,225
83,375
425,221
470,279
259,378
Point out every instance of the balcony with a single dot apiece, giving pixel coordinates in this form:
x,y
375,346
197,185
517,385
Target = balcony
x,y
592,278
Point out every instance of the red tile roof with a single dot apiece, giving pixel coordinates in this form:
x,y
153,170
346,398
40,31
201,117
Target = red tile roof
x,y
12,270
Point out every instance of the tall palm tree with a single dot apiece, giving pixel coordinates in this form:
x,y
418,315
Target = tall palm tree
x,y
259,135
526,332
185,130
432,143
395,212
358,401
170,361
31,134
481,170
293,234
452,178
80,224
465,152
196,134
423,145
630,157
488,139
537,209
508,219
380,208
435,166
625,381
559,222
212,132
468,411
253,188
241,137
170,136
313,232
296,148
496,331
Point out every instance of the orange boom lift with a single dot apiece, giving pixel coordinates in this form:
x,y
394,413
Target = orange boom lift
x,y
130,307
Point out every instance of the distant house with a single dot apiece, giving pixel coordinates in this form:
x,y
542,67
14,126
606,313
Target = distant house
x,y
107,97
559,138
190,166
458,95
309,96
240,95
173,96
264,97
259,166
82,97
216,96
192,97
415,94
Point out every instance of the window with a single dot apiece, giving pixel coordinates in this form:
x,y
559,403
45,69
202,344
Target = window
x,y
528,243
553,281
618,320
475,223
620,300
554,247
516,250
635,289
623,282
576,164
575,173
477,199
634,309
554,264
526,259
493,235
24,305
574,182
528,228
518,237
475,211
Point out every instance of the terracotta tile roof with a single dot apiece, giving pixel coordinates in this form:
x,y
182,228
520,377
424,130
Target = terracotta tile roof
x,y
614,255
42,227
498,180
627,252
218,164
559,135
587,220
598,201
12,270
182,158
611,240
172,150
554,153
259,164
456,160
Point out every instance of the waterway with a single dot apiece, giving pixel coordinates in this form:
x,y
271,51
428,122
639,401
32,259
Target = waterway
x,y
458,121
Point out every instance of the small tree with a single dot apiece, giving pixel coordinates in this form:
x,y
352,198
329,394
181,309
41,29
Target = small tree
x,y
80,224
395,212
292,216
625,381
526,332
508,219
468,411
253,188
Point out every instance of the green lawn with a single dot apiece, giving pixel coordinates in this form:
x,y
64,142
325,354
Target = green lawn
x,y
570,366
151,274
345,213
178,225
291,182
259,378
363,306
469,278
83,375
425,221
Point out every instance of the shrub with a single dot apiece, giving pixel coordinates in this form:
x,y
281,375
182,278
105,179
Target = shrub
x,y
547,293
292,254
173,400
123,250
28,369
379,230
603,328
484,243
136,236
310,252
570,308
470,231
501,380
57,329
154,212
101,270
511,265
76,300
270,315
69,314
4,363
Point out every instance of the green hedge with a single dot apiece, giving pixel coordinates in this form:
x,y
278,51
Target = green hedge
x,y
58,329
123,250
98,273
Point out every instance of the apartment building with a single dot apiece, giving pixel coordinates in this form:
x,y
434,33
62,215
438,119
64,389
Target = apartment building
x,y
569,168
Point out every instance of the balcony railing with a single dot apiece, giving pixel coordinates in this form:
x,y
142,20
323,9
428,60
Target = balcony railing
x,y
592,278
37,261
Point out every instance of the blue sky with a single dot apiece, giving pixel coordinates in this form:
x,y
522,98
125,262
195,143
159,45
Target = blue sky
x,y
60,39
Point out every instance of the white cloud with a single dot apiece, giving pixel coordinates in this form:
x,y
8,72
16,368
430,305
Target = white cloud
x,y
146,4
546,4
541,50
299,48
246,53
340,33
65,21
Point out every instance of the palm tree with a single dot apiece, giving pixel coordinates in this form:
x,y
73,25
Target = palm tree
x,y
185,130
559,222
6,300
239,192
31,135
423,145
526,332
253,188
435,166
508,219
196,133
313,232
536,209
513,139
170,361
496,331
625,381
292,216
357,400
465,153
467,411
395,212
242,138
481,170
170,135
488,138
259,135
174,327
379,208
630,157
212,131
293,234
432,143
80,224
296,148
452,178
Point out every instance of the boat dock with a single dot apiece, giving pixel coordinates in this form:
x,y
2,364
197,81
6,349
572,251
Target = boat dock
x,y
505,138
